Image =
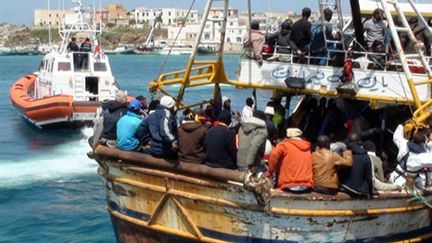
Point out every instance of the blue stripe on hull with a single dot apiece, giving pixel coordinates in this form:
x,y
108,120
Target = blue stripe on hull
x,y
238,238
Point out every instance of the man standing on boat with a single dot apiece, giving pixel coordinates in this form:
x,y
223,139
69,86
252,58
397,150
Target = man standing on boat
x,y
253,42
86,46
300,33
73,46
375,28
318,45
247,111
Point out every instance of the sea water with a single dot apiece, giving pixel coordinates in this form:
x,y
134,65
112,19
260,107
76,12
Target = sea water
x,y
49,189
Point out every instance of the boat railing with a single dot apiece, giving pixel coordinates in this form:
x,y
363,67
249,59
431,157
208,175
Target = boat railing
x,y
361,59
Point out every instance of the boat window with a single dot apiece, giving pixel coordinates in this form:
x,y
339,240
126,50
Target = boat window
x,y
64,66
100,67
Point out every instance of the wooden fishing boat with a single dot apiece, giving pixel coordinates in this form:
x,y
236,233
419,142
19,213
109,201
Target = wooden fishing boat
x,y
151,199
69,85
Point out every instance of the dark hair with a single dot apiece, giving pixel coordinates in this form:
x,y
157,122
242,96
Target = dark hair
x,y
140,97
153,104
225,117
286,25
249,101
323,141
87,39
306,12
419,136
377,11
327,11
369,146
73,39
412,21
255,25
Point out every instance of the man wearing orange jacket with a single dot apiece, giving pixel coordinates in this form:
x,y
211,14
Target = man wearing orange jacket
x,y
291,161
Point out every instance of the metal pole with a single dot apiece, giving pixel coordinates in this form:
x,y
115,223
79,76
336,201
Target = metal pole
x,y
250,37
49,25
186,81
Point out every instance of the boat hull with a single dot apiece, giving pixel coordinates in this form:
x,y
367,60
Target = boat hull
x,y
58,110
150,203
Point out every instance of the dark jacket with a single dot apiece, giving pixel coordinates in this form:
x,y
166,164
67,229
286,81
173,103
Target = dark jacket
x,y
111,112
359,179
160,129
72,46
220,147
191,142
86,46
282,39
300,33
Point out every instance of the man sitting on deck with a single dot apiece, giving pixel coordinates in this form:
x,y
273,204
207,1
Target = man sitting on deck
x,y
127,127
291,161
219,144
325,164
191,140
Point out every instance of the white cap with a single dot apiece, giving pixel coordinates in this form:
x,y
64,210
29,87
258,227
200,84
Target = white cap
x,y
293,132
167,102
121,96
269,110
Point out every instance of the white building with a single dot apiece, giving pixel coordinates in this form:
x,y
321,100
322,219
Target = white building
x,y
235,29
168,16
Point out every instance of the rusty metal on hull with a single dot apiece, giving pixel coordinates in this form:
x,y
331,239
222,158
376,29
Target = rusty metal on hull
x,y
178,204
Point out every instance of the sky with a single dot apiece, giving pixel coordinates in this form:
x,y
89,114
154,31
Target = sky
x,y
21,11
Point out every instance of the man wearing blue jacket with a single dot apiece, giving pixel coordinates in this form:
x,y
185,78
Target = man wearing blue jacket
x,y
160,129
127,128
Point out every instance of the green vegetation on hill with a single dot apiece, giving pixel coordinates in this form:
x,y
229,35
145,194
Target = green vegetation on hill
x,y
111,37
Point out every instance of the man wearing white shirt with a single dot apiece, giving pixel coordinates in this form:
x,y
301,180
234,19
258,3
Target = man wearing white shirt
x,y
247,111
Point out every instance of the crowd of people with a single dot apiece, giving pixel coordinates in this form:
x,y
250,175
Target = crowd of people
x,y
321,41
327,157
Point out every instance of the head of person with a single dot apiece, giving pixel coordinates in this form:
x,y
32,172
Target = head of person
x,y
121,96
134,106
286,26
293,132
153,104
421,136
87,39
328,14
323,142
167,102
369,146
378,14
188,115
224,117
143,100
413,21
259,115
249,102
226,103
208,110
306,12
200,115
73,39
377,46
255,25
354,138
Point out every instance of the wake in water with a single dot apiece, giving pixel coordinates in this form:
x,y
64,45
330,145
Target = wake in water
x,y
65,162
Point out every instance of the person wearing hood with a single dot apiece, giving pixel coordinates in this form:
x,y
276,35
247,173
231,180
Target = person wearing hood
x,y
325,164
319,28
378,180
191,140
248,109
253,42
291,161
235,116
357,182
160,129
252,140
219,144
106,124
414,155
127,127
282,38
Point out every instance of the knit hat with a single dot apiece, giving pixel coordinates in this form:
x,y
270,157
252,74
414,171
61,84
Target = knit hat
x,y
269,110
167,102
121,96
225,117
293,132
